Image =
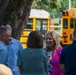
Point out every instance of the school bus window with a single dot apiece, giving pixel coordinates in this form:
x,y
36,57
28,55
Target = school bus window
x,y
65,23
75,23
38,24
45,24
29,24
41,24
71,23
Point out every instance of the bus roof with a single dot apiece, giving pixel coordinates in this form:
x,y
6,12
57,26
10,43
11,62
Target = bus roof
x,y
37,13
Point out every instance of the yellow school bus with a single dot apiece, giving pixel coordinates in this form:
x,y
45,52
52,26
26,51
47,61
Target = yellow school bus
x,y
38,20
68,24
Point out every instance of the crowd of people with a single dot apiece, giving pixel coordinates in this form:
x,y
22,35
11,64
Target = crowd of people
x,y
36,60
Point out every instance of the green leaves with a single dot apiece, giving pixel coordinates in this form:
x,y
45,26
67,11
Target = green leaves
x,y
53,5
48,5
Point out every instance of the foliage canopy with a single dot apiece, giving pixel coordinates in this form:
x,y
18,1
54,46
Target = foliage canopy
x,y
53,5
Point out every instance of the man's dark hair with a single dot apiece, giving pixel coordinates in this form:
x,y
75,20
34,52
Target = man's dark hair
x,y
3,30
4,24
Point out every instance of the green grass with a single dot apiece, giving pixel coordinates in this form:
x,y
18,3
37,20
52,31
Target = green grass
x,y
56,21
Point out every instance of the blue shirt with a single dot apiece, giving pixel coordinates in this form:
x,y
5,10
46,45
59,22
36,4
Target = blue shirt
x,y
68,58
3,53
14,49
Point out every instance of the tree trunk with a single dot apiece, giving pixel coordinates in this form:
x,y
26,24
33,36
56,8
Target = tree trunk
x,y
16,12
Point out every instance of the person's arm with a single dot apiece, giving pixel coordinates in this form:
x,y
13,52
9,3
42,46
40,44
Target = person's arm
x,y
20,48
20,69
62,61
19,63
62,68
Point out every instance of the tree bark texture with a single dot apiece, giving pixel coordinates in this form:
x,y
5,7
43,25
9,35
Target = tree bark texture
x,y
16,12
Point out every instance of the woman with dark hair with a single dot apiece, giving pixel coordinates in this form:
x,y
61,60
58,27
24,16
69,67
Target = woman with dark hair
x,y
33,59
35,40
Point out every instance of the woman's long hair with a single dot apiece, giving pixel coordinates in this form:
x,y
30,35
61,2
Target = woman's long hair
x,y
56,37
